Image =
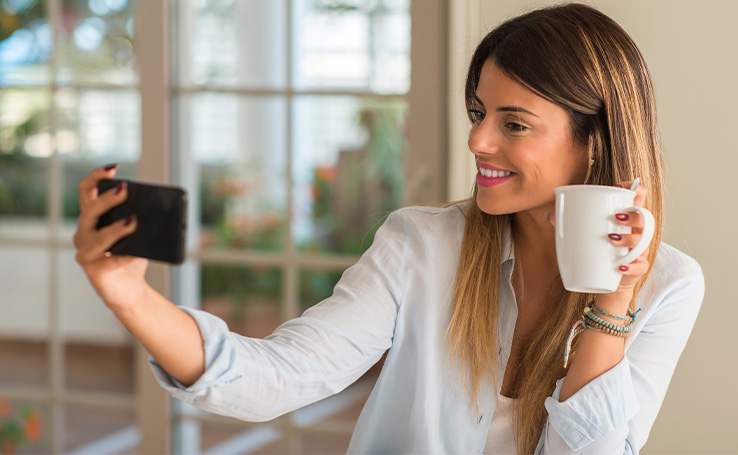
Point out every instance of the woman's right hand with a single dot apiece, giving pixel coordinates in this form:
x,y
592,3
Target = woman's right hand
x,y
119,280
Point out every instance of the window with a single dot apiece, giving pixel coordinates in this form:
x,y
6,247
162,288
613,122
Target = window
x,y
68,103
289,122
291,134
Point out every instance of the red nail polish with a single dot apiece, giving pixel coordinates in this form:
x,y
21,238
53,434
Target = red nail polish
x,y
119,188
615,236
110,167
623,268
128,220
622,216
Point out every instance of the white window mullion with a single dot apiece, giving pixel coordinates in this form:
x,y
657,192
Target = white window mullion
x,y
291,277
54,192
152,56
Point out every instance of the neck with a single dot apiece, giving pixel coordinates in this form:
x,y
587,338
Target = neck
x,y
534,239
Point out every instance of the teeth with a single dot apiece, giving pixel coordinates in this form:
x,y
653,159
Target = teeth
x,y
493,173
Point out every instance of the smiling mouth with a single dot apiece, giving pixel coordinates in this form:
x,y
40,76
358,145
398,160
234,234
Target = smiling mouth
x,y
493,173
493,177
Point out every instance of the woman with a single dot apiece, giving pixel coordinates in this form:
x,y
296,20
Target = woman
x,y
467,298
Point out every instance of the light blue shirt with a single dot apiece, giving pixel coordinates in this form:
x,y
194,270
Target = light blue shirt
x,y
398,297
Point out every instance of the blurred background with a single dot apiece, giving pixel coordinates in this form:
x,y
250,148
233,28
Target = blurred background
x,y
296,126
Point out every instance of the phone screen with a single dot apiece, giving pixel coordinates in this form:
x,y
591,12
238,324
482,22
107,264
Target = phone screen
x,y
161,214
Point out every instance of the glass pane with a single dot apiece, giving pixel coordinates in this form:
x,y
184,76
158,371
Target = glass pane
x,y
222,439
233,43
23,361
97,366
98,348
95,128
96,42
25,43
348,169
352,44
25,145
316,285
100,430
24,427
237,147
322,443
24,280
247,298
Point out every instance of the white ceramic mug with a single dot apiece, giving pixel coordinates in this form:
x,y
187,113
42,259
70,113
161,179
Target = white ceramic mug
x,y
585,215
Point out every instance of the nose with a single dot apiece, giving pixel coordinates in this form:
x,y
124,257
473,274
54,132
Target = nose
x,y
483,140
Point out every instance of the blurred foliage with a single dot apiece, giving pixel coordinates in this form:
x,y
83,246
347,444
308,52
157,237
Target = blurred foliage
x,y
19,426
240,282
23,185
316,285
19,14
351,201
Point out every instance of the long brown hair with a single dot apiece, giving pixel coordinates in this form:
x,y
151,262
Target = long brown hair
x,y
580,59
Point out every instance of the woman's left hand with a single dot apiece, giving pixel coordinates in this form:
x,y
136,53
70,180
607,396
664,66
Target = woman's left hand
x,y
635,270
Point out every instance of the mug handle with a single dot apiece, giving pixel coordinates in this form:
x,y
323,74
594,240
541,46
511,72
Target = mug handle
x,y
649,225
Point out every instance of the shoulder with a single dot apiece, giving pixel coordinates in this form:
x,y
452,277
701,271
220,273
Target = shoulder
x,y
676,279
430,233
674,265
432,220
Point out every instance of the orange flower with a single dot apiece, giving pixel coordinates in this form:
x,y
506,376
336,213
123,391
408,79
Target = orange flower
x,y
5,407
33,426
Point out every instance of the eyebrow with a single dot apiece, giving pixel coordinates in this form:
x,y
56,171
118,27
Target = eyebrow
x,y
515,109
507,108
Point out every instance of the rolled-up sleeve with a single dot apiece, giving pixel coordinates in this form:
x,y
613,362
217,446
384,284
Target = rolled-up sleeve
x,y
589,415
221,363
614,413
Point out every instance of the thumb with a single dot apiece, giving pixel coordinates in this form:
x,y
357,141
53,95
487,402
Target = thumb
x,y
551,217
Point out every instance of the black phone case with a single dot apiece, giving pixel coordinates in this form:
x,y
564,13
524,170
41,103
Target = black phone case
x,y
161,214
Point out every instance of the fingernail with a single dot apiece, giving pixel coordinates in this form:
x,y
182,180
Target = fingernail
x,y
623,268
128,220
615,236
547,214
622,216
618,186
110,167
119,188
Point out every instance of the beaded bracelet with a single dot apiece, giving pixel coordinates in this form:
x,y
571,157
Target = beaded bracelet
x,y
601,328
590,321
601,312
619,328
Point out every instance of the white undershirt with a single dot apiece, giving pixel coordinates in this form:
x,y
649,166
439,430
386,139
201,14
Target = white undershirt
x,y
500,440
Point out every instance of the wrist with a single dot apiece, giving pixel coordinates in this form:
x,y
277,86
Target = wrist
x,y
616,302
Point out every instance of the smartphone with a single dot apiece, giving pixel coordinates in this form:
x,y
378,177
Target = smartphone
x,y
161,214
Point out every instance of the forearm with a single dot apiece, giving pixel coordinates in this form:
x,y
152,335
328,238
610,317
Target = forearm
x,y
169,334
597,352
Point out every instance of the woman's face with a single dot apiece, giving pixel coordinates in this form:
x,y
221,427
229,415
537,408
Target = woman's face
x,y
522,144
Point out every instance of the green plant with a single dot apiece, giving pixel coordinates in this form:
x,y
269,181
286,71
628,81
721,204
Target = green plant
x,y
18,427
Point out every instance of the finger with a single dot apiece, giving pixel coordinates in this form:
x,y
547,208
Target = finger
x,y
89,217
641,192
551,217
626,240
87,187
631,219
635,269
104,239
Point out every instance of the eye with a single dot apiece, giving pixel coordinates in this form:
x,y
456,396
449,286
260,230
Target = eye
x,y
515,127
476,115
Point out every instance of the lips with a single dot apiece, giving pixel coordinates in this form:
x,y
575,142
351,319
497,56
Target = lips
x,y
489,175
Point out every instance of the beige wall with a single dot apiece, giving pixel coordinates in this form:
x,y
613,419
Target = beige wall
x,y
691,48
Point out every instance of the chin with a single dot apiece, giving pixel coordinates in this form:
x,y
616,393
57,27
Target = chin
x,y
491,206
